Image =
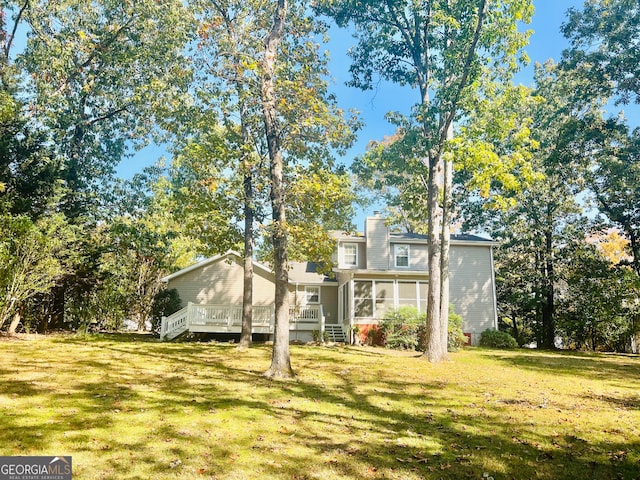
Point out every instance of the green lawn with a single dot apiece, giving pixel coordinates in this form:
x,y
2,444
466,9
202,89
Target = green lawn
x,y
130,407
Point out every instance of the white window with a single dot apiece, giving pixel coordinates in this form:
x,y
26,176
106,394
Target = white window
x,y
402,255
350,254
312,295
363,300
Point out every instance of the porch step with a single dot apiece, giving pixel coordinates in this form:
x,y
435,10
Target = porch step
x,y
335,333
172,335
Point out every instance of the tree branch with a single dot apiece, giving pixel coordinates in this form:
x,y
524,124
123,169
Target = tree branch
x,y
107,115
444,127
9,42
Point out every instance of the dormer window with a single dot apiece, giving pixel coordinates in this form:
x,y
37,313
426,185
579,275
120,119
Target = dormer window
x,y
350,254
401,254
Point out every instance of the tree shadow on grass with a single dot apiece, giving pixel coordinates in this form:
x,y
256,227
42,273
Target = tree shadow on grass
x,y
575,364
461,444
351,422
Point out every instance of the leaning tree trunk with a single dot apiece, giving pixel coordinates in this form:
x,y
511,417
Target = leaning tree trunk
x,y
280,359
17,317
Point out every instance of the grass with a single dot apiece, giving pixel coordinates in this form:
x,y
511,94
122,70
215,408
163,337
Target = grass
x,y
130,407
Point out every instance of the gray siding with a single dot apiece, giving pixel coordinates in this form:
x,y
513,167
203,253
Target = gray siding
x,y
472,289
417,257
377,235
362,255
220,283
329,300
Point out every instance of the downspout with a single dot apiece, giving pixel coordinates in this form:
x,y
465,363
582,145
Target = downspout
x,y
493,281
295,307
351,310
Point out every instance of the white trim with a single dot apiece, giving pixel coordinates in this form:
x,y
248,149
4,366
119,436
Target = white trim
x,y
396,293
208,261
384,273
343,263
469,243
396,247
306,296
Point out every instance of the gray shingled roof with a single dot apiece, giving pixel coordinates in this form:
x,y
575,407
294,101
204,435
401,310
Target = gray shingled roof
x,y
463,237
306,272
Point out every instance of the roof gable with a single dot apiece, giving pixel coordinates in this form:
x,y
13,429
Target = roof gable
x,y
211,260
299,272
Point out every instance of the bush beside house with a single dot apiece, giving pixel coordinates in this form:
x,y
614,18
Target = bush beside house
x,y
497,339
405,329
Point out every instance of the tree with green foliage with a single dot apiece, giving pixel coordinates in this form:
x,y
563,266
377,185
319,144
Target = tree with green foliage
x,y
96,77
229,44
596,308
615,182
30,261
441,49
100,72
264,83
602,37
301,123
231,54
541,222
319,200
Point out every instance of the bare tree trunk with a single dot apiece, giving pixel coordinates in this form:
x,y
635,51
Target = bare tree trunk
x,y
434,337
444,256
247,294
548,301
280,359
13,327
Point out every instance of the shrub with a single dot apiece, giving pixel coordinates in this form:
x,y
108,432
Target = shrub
x,y
165,303
406,329
497,339
399,328
317,338
456,338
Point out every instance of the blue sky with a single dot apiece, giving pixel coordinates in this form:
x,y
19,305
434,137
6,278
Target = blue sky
x,y
545,42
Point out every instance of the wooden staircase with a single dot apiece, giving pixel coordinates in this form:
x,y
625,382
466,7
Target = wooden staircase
x,y
335,333
174,325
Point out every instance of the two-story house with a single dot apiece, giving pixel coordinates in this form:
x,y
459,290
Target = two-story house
x,y
377,270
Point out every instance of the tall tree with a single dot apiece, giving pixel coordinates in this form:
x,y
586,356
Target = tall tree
x,y
539,224
280,359
268,89
615,181
229,44
100,72
438,48
98,75
602,36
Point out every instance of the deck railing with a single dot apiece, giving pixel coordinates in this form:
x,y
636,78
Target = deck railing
x,y
175,323
228,318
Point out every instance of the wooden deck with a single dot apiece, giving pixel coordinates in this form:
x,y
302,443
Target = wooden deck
x,y
228,319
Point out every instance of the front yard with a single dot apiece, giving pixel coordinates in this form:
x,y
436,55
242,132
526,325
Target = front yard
x,y
130,407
